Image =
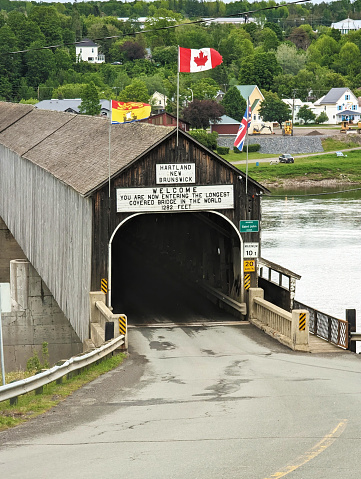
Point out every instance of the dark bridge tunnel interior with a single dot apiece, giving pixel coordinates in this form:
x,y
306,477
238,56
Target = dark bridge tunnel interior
x,y
158,259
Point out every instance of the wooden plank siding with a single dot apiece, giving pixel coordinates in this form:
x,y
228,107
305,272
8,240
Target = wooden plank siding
x,y
52,224
210,170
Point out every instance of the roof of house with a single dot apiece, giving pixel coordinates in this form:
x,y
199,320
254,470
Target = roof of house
x,y
348,24
226,120
75,148
86,42
333,95
348,112
247,90
66,104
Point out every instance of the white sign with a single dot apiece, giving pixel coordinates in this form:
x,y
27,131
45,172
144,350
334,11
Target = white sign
x,y
175,198
5,300
175,173
250,250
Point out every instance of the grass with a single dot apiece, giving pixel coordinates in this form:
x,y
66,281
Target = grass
x,y
330,144
313,168
31,405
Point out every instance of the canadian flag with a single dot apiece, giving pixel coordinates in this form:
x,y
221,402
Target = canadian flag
x,y
191,60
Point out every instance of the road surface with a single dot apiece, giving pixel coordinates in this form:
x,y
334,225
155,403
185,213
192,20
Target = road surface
x,y
201,403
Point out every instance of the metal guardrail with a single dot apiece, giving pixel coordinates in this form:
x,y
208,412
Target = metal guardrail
x,y
326,327
32,383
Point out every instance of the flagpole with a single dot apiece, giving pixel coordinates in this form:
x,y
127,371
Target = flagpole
x,y
178,93
247,144
110,131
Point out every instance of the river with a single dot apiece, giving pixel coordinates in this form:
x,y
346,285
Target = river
x,y
319,238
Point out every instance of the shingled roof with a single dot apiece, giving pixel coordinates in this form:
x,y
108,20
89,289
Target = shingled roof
x,y
75,148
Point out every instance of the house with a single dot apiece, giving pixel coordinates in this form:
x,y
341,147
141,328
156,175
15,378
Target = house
x,y
347,25
71,105
255,99
88,51
339,104
166,119
227,126
158,102
295,104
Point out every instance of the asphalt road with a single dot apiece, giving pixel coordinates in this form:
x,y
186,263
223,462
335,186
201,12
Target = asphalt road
x,y
201,403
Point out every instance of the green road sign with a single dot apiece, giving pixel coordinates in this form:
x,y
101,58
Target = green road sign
x,y
249,226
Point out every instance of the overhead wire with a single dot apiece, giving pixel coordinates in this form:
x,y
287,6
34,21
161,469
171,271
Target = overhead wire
x,y
193,22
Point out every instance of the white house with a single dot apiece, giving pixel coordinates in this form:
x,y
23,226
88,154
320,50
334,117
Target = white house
x,y
295,104
158,102
347,25
88,51
339,104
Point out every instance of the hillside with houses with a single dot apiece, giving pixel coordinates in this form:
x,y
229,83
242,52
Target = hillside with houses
x,y
306,57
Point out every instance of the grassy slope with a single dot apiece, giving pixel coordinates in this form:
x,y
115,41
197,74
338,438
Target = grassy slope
x,y
313,168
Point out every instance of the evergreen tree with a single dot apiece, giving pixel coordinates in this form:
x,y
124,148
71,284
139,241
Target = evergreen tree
x,y
90,100
234,104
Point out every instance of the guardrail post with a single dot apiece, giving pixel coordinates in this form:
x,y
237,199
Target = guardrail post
x,y
253,293
351,319
300,327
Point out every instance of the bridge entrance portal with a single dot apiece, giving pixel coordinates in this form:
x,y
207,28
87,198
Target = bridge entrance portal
x,y
162,264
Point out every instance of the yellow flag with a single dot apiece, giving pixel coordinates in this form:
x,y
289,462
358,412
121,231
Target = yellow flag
x,y
125,112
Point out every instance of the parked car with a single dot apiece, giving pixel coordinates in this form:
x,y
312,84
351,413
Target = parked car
x,y
286,158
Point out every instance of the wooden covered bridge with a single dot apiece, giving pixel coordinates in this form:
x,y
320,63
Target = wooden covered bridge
x,y
84,202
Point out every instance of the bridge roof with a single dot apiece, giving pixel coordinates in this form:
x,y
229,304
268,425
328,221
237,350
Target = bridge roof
x,y
75,148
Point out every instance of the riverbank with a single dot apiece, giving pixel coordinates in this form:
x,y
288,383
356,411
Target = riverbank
x,y
323,170
302,183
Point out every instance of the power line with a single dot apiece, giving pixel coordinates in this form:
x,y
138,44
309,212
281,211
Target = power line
x,y
194,22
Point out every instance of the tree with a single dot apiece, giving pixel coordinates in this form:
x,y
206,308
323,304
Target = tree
x,y
259,70
276,28
274,109
132,50
234,104
300,38
322,117
269,39
205,89
90,100
306,114
200,112
290,59
136,91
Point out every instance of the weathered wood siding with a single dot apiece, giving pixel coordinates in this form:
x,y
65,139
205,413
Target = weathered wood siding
x,y
142,173
53,226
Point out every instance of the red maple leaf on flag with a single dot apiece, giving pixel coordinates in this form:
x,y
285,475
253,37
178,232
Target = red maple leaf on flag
x,y
201,60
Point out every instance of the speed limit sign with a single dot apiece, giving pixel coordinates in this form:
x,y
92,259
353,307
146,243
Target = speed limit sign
x,y
250,250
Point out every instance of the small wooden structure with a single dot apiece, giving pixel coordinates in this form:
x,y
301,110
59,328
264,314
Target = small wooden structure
x,y
166,119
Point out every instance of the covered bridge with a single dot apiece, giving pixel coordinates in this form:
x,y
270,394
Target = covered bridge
x,y
85,200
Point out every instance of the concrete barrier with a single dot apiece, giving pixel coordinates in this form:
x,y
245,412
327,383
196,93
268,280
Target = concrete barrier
x,y
100,315
290,329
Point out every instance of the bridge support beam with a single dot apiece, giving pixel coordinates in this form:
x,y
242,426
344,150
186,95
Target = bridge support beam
x,y
35,318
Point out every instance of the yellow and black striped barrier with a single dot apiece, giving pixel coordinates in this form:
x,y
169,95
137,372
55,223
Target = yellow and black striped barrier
x,y
302,322
247,281
122,324
104,285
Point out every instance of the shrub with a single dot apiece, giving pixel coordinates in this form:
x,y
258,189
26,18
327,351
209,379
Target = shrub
x,y
254,147
222,150
236,150
207,139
